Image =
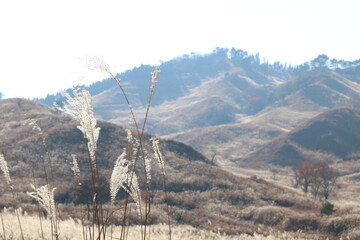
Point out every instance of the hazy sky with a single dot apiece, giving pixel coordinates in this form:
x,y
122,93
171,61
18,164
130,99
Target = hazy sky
x,y
42,42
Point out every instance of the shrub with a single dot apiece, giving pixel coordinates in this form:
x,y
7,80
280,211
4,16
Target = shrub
x,y
327,208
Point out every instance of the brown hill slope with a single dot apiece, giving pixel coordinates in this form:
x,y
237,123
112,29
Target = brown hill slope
x,y
294,102
332,135
199,193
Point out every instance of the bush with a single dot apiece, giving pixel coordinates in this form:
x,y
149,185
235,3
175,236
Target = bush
x,y
327,208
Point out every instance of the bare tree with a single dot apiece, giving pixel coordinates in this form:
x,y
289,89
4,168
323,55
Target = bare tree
x,y
303,175
213,155
319,177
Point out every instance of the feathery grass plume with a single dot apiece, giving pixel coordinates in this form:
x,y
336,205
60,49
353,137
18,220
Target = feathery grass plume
x,y
129,136
119,175
80,108
5,169
75,166
97,63
158,155
122,175
153,82
45,198
154,79
148,169
135,192
35,126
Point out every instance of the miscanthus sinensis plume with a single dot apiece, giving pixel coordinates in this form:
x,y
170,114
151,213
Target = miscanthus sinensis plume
x,y
123,176
154,77
35,126
153,82
45,198
134,144
134,191
75,166
158,155
79,107
119,175
5,169
147,169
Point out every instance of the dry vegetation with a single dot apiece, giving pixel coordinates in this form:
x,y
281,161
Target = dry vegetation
x,y
72,230
197,193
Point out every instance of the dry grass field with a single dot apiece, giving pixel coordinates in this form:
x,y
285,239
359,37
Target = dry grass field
x,y
73,230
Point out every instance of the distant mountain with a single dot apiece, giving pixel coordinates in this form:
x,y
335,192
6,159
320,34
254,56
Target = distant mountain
x,y
197,91
331,136
229,101
297,100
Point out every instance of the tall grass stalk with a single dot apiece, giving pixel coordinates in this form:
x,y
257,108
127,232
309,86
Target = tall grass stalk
x,y
47,164
79,107
4,168
124,172
158,155
98,64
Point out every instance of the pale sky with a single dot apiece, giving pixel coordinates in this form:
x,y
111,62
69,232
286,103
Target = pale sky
x,y
42,42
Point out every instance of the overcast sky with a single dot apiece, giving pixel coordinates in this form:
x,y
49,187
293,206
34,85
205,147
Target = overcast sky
x,y
43,42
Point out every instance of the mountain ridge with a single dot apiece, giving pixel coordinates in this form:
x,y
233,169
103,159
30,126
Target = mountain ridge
x,y
202,98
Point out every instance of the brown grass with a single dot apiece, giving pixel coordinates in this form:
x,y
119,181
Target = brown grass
x,y
72,230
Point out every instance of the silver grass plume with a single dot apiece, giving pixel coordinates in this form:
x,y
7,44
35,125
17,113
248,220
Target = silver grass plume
x,y
148,169
158,155
153,82
75,166
119,175
129,136
131,142
147,160
122,175
134,189
154,79
97,63
35,126
135,192
45,197
80,108
5,169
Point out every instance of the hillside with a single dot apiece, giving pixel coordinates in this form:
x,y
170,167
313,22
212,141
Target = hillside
x,y
198,191
289,105
331,136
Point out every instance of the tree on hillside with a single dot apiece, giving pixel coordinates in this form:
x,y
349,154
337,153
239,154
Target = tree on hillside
x,y
303,174
320,61
318,177
327,177
1,95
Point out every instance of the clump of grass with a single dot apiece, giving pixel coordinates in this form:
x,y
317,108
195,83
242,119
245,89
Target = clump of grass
x,y
124,174
45,197
4,168
96,217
